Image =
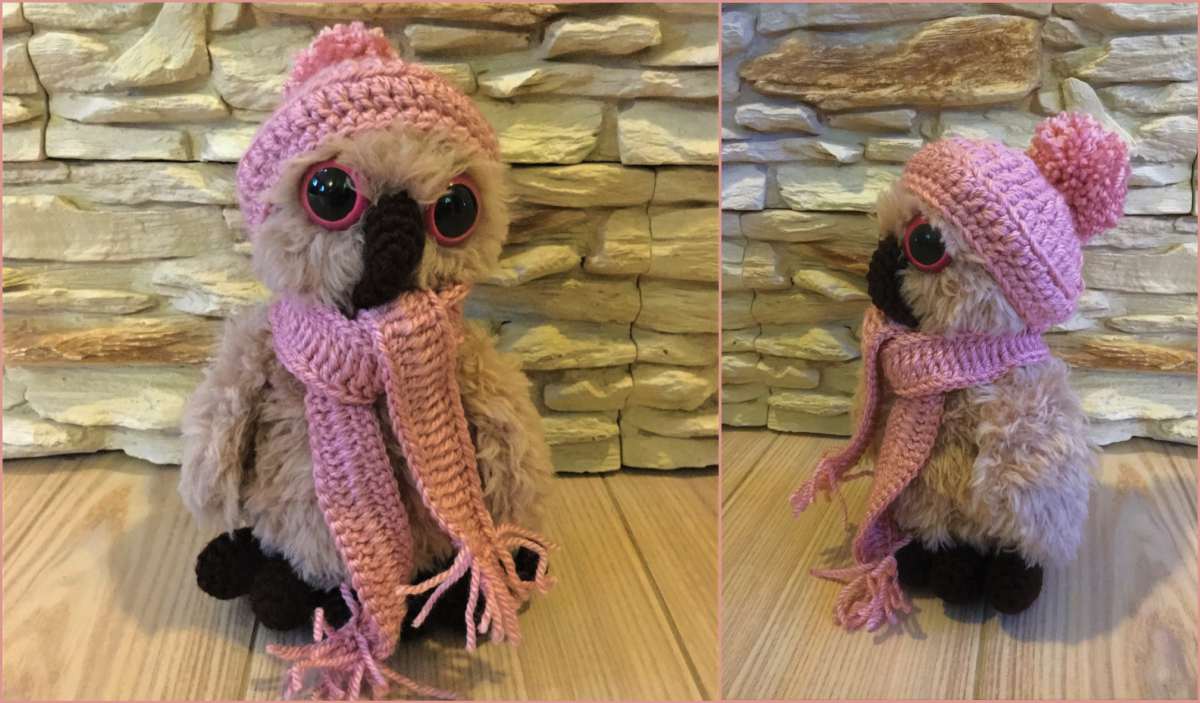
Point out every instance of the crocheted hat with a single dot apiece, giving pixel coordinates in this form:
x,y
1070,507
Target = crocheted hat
x,y
1028,214
349,80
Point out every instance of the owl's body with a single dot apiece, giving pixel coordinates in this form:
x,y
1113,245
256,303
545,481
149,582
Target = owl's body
x,y
1010,470
374,197
982,466
246,423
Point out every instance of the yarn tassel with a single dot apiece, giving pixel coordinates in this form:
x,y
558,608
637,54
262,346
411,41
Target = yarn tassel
x,y
345,660
871,595
509,537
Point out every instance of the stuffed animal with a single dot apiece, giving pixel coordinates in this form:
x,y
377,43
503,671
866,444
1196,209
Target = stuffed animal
x,y
368,453
982,467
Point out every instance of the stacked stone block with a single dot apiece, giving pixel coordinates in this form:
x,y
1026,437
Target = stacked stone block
x,y
822,104
124,249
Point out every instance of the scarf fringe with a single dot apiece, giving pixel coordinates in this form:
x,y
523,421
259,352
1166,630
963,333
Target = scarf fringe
x,y
871,595
508,537
825,480
344,658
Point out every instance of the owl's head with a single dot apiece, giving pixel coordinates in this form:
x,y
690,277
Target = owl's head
x,y
373,177
977,237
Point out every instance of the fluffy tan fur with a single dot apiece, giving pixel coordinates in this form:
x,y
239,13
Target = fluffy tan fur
x,y
1012,466
219,421
246,453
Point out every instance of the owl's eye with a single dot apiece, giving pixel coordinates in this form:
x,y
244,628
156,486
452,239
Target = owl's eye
x,y
451,219
331,195
923,246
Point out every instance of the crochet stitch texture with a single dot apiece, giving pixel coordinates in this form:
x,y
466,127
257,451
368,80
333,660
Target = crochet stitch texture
x,y
348,81
406,352
1028,214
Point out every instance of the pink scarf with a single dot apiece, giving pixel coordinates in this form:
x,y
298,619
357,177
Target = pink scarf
x,y
919,369
408,352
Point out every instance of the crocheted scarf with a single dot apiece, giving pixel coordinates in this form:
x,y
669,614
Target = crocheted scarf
x,y
407,352
919,370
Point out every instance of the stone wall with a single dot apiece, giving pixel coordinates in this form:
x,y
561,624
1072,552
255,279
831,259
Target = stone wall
x,y
823,103
123,246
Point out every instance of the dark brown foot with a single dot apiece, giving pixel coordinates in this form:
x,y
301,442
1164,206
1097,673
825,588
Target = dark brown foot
x,y
225,568
1012,585
336,611
956,575
280,598
913,563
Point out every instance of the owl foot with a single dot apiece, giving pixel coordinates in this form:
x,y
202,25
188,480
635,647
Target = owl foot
x,y
1011,584
913,563
234,565
280,598
956,575
225,568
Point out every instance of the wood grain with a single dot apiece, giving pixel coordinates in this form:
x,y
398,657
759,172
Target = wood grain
x,y
779,638
742,450
673,520
602,633
99,596
1120,622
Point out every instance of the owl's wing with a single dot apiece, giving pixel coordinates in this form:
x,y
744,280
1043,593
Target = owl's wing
x,y
218,421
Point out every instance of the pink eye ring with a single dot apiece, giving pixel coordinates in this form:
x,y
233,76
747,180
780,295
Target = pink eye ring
x,y
452,218
923,246
331,195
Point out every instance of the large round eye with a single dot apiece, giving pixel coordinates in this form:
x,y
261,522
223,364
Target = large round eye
x,y
452,217
330,195
923,246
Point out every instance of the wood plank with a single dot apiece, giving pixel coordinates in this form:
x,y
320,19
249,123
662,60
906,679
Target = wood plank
x,y
28,489
600,634
779,638
1119,622
100,598
741,449
672,517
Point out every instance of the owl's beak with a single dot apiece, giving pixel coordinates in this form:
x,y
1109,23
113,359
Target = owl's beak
x,y
394,239
883,282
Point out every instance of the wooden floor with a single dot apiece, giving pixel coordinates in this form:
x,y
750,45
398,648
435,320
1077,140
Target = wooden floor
x,y
1119,623
100,600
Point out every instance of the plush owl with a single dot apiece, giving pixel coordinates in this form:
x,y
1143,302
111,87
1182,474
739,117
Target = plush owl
x,y
369,456
982,468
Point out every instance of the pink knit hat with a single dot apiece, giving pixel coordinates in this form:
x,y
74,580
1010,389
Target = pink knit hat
x,y
1028,214
350,80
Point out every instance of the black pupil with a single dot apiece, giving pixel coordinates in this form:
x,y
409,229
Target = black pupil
x,y
331,194
925,245
454,213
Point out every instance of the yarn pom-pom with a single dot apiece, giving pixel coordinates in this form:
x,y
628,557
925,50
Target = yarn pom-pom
x,y
338,43
1088,165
